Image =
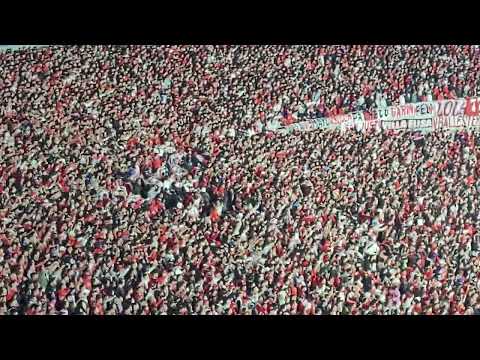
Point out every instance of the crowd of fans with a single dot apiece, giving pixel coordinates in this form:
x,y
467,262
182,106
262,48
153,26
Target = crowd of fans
x,y
150,180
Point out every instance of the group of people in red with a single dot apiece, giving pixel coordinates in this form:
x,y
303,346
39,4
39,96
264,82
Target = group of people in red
x,y
148,180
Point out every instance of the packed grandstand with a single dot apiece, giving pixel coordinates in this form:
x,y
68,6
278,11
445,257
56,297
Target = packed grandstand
x,y
339,179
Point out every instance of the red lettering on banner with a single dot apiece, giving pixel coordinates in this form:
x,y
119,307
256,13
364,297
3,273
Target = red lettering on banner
x,y
394,111
472,108
407,110
402,111
411,110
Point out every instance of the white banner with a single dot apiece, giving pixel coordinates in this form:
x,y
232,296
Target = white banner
x,y
427,116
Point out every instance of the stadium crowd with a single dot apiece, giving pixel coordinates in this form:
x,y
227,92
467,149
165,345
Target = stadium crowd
x,y
151,180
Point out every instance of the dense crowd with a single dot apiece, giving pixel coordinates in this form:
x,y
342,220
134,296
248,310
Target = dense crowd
x,y
151,180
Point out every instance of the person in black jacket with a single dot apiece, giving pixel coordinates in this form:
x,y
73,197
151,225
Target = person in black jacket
x,y
228,199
